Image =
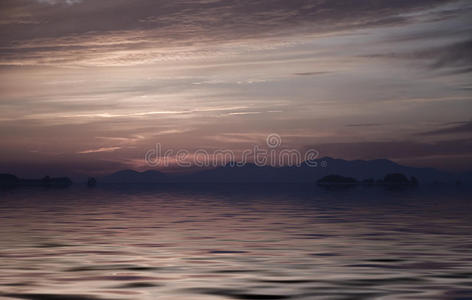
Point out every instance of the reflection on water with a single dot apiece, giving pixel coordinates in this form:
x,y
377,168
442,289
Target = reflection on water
x,y
295,243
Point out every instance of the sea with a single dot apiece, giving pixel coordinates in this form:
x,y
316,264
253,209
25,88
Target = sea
x,y
235,242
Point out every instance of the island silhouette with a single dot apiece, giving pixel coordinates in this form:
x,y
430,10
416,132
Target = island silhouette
x,y
394,179
9,181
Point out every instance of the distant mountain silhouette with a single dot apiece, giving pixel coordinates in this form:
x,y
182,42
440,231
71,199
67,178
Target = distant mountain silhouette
x,y
337,179
251,173
356,169
131,176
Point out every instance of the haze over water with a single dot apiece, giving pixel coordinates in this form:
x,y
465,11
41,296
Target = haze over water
x,y
264,243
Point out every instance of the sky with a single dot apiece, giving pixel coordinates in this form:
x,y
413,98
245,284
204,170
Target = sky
x,y
88,86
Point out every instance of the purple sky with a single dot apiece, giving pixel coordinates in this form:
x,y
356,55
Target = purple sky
x,y
88,86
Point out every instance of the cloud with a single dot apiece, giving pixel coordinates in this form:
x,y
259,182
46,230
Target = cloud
x,y
364,125
458,128
99,150
311,73
54,2
456,55
243,113
454,58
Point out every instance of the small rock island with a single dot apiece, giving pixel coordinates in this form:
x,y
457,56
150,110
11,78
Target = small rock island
x,y
394,179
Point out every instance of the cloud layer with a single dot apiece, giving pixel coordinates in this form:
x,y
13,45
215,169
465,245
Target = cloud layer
x,y
117,32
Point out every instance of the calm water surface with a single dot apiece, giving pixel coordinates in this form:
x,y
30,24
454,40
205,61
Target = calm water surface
x,y
270,243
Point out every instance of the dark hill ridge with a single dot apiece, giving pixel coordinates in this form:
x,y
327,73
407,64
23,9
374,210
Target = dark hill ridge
x,y
251,173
